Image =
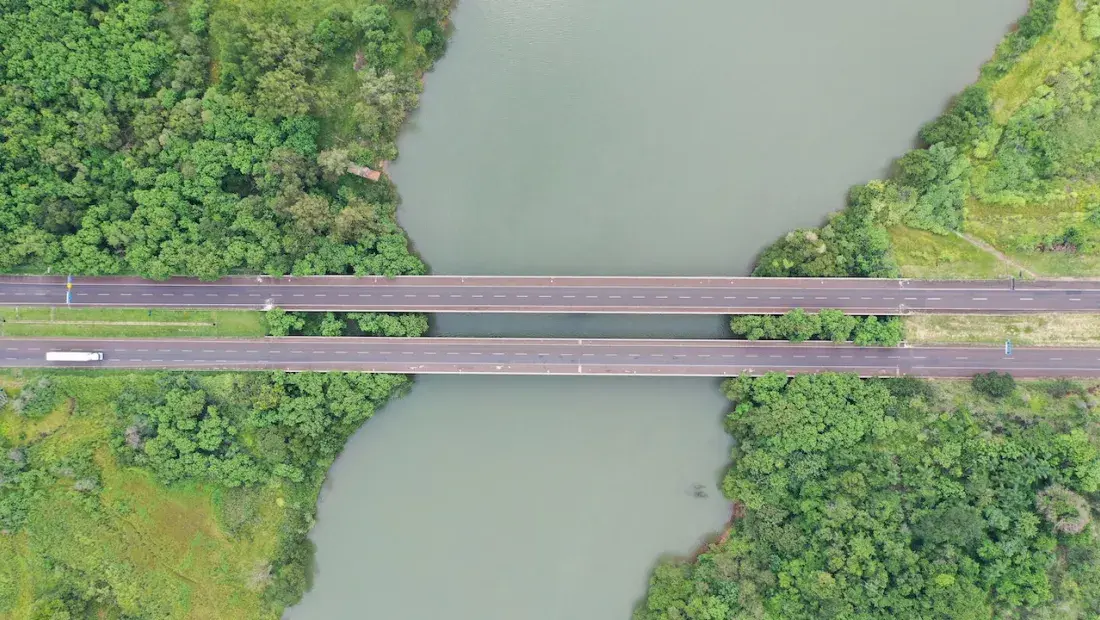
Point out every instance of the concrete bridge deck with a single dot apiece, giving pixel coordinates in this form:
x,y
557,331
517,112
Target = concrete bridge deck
x,y
611,295
540,356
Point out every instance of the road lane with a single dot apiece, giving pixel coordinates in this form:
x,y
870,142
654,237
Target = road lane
x,y
620,295
550,356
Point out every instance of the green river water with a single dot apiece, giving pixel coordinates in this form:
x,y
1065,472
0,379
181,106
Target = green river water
x,y
608,137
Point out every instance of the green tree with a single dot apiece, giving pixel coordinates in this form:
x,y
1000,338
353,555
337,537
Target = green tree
x,y
279,322
994,384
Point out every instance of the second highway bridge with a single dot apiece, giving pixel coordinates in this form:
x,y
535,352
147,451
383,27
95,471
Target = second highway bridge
x,y
584,357
507,294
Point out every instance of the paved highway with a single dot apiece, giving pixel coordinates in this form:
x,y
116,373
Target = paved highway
x,y
550,356
622,295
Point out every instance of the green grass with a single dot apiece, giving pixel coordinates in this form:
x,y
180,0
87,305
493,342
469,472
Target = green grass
x,y
164,551
922,254
1013,230
1027,330
113,322
1063,45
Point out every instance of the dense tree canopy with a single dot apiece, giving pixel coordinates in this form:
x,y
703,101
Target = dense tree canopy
x,y
799,326
120,150
868,499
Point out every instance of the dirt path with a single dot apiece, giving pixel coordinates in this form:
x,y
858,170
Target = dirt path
x,y
985,247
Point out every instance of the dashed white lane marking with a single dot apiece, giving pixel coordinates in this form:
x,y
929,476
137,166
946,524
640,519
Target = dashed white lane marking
x,y
980,299
1055,359
1027,299
616,297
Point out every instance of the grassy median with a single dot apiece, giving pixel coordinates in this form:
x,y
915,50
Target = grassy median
x,y
134,323
1032,329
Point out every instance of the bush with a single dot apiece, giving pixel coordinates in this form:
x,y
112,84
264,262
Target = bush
x,y
799,326
36,399
994,384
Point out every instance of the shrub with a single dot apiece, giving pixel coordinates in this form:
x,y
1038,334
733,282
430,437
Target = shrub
x,y
994,384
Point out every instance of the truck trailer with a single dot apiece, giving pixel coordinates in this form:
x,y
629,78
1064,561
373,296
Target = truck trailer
x,y
74,356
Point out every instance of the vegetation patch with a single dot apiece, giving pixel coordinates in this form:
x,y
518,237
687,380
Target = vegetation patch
x,y
898,499
133,323
1029,329
169,495
833,325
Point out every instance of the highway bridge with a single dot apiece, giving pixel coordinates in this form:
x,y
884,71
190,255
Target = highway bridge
x,y
602,357
515,294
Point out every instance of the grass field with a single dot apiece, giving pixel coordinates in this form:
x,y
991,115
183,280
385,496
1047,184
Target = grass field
x,y
1063,45
112,322
182,552
1039,329
921,254
1018,228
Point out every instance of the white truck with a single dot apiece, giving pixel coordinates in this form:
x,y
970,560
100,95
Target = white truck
x,y
74,356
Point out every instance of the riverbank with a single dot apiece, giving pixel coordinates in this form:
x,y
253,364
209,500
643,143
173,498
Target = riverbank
x,y
1033,192
224,134
837,473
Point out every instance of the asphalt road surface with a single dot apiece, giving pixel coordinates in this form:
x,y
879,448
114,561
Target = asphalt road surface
x,y
620,295
550,356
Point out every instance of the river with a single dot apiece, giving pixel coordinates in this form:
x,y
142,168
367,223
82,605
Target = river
x,y
612,137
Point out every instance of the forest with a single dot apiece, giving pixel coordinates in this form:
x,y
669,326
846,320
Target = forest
x,y
159,141
900,498
193,138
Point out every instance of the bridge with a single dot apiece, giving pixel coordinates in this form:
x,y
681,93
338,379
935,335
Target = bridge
x,y
562,356
610,295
